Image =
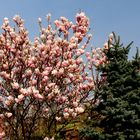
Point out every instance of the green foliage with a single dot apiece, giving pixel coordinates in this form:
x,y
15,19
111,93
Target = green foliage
x,y
120,106
88,133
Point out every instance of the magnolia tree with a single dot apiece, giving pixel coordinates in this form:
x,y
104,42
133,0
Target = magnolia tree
x,y
45,79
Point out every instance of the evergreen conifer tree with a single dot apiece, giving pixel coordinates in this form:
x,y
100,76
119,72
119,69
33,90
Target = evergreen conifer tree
x,y
120,96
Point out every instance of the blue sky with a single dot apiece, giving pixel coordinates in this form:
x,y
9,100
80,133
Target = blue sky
x,y
120,16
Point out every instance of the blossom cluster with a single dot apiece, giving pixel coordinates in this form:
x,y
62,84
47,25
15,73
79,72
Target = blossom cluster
x,y
46,77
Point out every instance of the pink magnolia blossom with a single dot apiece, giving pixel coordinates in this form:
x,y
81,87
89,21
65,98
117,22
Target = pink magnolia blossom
x,y
46,89
10,98
23,91
17,18
54,72
34,82
61,71
58,118
8,114
65,63
75,104
70,110
79,110
46,110
38,96
50,96
5,75
106,46
48,17
20,97
15,85
39,20
8,102
74,115
2,116
17,100
28,72
66,115
5,66
2,134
